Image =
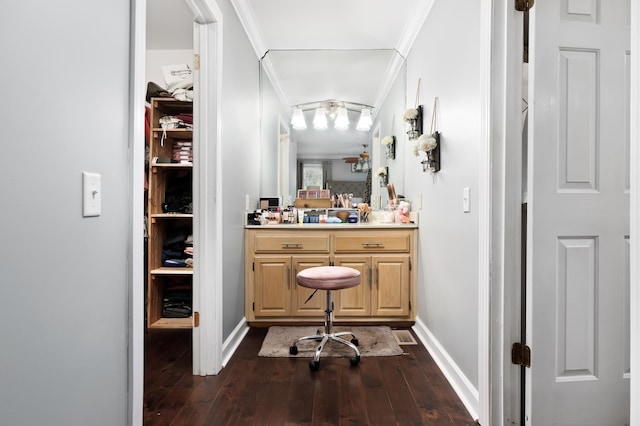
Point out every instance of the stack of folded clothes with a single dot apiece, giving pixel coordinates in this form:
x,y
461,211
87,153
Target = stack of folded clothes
x,y
177,250
188,250
182,152
176,301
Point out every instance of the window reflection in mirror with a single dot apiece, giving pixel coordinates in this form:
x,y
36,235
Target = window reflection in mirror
x,y
329,148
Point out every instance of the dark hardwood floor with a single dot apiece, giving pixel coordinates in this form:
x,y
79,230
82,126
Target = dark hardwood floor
x,y
252,390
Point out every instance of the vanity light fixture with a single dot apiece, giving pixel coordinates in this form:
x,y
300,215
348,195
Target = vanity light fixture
x,y
320,119
365,122
297,120
342,119
331,110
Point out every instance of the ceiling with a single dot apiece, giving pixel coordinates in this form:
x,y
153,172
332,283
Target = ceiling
x,y
313,50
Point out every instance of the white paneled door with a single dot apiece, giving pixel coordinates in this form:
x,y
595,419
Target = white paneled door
x,y
577,283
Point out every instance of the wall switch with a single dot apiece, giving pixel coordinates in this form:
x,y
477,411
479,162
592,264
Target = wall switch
x,y
91,194
465,200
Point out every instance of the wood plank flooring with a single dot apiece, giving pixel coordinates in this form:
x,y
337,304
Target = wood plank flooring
x,y
252,390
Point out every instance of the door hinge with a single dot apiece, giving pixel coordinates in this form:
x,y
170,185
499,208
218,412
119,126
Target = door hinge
x,y
521,354
524,5
196,319
196,60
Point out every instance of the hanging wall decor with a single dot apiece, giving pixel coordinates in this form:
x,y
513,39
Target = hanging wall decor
x,y
413,117
428,145
390,141
383,176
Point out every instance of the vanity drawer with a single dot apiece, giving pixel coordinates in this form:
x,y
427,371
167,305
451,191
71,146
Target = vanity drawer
x,y
392,242
297,242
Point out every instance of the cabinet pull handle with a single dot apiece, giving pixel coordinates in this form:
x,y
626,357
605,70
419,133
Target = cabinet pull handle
x,y
375,275
369,275
291,245
374,244
288,277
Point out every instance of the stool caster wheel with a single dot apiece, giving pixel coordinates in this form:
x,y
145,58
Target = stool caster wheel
x,y
354,341
314,365
354,360
293,350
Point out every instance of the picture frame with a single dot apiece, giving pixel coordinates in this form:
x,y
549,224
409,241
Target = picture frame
x,y
313,193
325,193
302,193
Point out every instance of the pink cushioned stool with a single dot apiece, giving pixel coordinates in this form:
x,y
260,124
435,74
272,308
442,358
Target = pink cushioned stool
x,y
328,278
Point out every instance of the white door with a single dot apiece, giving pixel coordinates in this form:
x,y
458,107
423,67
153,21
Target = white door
x,y
579,214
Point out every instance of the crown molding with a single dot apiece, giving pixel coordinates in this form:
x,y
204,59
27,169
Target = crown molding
x,y
267,66
413,26
250,24
394,68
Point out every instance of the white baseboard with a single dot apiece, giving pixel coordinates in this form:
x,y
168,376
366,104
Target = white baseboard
x,y
232,342
461,385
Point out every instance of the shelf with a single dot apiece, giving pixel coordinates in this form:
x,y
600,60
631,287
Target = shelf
x,y
170,131
172,216
172,165
169,182
171,323
172,271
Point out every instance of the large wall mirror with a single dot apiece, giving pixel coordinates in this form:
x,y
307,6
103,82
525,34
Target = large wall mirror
x,y
305,78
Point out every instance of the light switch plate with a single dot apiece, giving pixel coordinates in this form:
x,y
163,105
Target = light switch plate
x,y
91,194
465,200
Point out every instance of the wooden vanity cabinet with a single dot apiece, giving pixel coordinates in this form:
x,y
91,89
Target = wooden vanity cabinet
x,y
276,293
385,258
384,290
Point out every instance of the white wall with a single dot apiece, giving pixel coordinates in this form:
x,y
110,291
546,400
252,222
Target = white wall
x,y
446,57
240,151
64,278
156,59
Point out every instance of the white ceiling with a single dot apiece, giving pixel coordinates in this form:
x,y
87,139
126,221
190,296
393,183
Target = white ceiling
x,y
315,50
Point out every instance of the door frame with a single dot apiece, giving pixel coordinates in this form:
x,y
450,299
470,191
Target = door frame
x,y
207,358
499,218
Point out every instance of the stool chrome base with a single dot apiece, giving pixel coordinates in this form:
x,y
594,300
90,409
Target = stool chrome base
x,y
325,336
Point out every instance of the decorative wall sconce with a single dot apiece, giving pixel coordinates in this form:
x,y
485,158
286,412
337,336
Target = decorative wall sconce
x,y
429,145
383,176
413,117
431,160
390,143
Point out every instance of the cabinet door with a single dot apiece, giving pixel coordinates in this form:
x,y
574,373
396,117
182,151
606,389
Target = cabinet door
x,y
272,286
390,286
354,301
316,305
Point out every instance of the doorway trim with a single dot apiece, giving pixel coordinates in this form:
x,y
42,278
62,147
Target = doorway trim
x,y
207,277
634,142
500,222
135,273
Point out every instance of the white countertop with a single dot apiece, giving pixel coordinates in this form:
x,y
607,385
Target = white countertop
x,y
375,222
